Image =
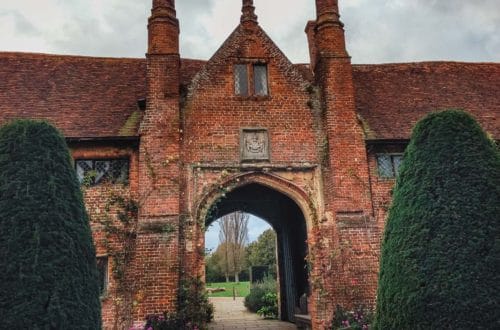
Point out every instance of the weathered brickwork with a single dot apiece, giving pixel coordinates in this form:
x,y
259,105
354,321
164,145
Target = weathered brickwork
x,y
195,145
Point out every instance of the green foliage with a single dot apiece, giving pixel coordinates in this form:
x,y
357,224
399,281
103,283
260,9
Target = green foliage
x,y
193,310
193,304
47,258
441,250
358,319
270,308
165,321
213,269
262,252
259,298
120,224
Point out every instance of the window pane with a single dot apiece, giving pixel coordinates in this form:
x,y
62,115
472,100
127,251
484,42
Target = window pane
x,y
241,79
83,168
397,159
384,164
102,170
260,77
90,171
119,171
102,268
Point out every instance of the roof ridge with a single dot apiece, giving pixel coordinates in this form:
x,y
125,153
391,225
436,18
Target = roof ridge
x,y
12,54
421,63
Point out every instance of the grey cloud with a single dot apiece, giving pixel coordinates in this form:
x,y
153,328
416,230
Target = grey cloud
x,y
122,34
380,31
377,30
21,24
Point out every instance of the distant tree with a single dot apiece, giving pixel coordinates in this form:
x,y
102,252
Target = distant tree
x,y
213,267
49,277
262,252
233,236
440,264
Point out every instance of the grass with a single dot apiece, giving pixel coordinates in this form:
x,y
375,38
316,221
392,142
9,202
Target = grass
x,y
242,289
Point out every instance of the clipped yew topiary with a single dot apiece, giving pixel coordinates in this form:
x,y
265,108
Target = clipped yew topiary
x,y
440,264
48,274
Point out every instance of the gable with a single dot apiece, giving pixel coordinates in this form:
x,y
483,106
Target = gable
x,y
245,43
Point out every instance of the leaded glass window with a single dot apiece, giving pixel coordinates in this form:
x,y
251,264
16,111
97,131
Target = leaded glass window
x,y
260,79
388,165
102,269
241,79
95,171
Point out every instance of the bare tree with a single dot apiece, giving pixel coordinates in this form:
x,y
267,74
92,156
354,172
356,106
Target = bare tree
x,y
233,235
225,238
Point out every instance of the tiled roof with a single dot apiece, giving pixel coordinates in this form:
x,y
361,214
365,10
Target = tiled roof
x,y
82,96
391,98
97,97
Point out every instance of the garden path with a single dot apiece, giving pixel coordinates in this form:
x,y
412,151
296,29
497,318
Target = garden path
x,y
232,314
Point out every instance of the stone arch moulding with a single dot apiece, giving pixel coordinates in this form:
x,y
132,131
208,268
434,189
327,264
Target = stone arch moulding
x,y
285,187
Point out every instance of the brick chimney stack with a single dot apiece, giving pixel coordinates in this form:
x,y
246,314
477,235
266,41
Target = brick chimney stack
x,y
330,38
163,28
345,173
159,179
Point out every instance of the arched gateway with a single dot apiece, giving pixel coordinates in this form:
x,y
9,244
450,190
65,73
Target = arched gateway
x,y
287,209
164,144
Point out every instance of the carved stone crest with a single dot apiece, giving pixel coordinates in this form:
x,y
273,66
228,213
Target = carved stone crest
x,y
254,144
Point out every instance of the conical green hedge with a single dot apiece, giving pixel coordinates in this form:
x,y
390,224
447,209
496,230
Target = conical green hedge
x,y
440,266
48,274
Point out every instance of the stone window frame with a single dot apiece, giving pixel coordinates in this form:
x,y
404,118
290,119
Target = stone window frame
x,y
103,279
126,181
267,158
394,170
250,78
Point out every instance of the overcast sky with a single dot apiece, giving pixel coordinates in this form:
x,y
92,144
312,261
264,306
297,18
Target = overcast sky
x,y
378,31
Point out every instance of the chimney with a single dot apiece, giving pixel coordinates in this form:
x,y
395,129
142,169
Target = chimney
x,y
311,40
330,39
163,28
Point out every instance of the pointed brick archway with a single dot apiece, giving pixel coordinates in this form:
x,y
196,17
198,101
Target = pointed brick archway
x,y
287,208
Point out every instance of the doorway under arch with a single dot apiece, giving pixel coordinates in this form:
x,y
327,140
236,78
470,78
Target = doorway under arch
x,y
288,221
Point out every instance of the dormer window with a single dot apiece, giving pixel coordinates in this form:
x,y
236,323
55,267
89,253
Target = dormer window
x,y
251,80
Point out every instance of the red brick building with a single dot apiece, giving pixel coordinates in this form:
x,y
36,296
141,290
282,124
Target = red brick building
x,y
311,148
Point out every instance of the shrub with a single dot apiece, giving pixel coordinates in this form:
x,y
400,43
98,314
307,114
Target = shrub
x,y
257,300
166,321
193,304
358,319
194,310
270,308
47,258
441,248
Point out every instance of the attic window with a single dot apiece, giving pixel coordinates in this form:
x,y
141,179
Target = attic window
x,y
260,79
251,80
241,79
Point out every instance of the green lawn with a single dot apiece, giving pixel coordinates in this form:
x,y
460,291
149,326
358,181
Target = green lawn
x,y
241,289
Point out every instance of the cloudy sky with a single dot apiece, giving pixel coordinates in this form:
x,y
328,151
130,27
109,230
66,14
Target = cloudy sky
x,y
378,31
